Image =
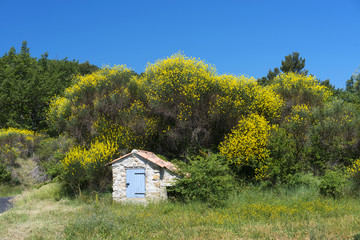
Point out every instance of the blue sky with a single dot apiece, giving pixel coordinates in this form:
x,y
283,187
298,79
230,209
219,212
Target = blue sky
x,y
244,37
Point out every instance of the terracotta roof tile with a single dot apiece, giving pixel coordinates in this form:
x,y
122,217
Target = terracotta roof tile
x,y
150,156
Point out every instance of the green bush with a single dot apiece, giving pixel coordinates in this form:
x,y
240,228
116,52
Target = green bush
x,y
332,184
50,152
8,154
20,142
5,175
354,184
354,176
283,161
204,179
333,138
357,236
303,180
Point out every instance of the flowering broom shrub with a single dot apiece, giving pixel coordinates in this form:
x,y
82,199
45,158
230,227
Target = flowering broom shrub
x,y
246,145
106,94
106,105
136,133
85,168
17,142
300,89
196,107
179,90
354,172
8,154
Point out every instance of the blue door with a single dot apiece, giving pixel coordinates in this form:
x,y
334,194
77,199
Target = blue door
x,y
135,183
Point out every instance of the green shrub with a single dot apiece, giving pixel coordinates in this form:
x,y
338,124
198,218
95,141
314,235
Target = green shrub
x,y
332,184
8,154
204,179
50,152
5,175
334,136
303,180
354,176
20,140
357,236
283,161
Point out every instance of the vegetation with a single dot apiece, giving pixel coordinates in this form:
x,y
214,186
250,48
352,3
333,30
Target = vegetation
x,y
252,213
292,63
205,179
29,83
289,139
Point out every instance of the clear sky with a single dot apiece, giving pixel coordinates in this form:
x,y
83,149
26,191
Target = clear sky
x,y
243,37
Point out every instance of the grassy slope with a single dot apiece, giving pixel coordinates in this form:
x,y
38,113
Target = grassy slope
x,y
23,171
253,214
38,214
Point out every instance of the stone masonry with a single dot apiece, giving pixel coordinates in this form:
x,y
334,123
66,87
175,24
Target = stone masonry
x,y
158,175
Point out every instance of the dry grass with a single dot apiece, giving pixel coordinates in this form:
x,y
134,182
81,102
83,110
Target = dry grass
x,y
23,171
45,218
39,214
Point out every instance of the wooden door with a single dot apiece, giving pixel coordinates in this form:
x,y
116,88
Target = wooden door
x,y
135,183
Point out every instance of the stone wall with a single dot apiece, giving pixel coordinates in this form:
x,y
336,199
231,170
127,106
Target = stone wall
x,y
156,179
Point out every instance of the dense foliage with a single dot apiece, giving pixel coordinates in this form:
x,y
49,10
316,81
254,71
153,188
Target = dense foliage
x,y
27,84
205,179
86,167
180,104
196,107
246,145
15,143
267,131
292,63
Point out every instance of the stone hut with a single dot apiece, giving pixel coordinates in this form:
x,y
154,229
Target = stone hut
x,y
141,176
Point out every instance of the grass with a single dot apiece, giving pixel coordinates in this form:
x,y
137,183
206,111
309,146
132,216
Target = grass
x,y
10,190
23,172
39,214
250,214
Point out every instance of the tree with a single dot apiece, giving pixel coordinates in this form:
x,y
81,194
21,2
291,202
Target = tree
x,y
27,85
178,105
292,63
196,107
104,105
87,68
352,93
297,89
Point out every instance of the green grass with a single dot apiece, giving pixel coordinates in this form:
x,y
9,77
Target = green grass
x,y
10,190
250,214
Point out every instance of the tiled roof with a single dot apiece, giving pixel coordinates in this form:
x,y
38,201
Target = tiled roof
x,y
150,156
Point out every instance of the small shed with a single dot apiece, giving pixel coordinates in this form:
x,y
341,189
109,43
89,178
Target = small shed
x,y
141,176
